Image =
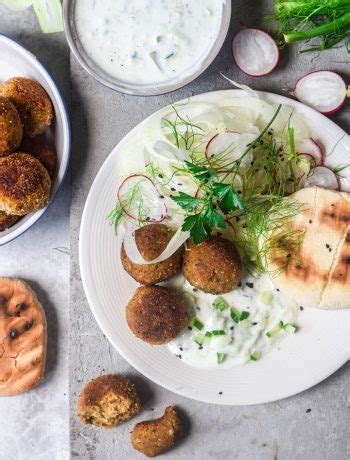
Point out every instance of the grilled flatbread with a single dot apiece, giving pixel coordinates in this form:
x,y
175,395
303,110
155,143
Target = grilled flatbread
x,y
319,275
22,338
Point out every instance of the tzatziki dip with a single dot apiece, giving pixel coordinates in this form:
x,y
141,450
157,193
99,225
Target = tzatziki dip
x,y
148,41
233,328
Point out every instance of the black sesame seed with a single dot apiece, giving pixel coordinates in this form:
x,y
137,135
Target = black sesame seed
x,y
181,349
310,221
254,324
301,308
195,290
250,285
238,218
327,246
160,175
231,328
308,411
147,218
180,185
220,392
161,196
173,189
239,284
190,328
200,347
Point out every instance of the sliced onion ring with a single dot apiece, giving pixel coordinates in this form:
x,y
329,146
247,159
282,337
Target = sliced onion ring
x,y
134,255
324,177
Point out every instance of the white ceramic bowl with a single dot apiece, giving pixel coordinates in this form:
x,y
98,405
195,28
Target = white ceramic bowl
x,y
138,89
16,61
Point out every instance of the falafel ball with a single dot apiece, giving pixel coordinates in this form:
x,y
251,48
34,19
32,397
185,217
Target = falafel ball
x,y
108,401
32,103
213,266
24,184
11,130
151,240
42,152
156,314
6,221
154,437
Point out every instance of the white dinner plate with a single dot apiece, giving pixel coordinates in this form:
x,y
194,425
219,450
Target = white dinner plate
x,y
16,61
321,346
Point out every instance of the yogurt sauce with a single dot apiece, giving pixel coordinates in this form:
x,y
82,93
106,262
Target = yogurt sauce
x,y
148,41
243,341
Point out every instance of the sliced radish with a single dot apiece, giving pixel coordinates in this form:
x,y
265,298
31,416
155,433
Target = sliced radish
x,y
146,204
322,177
312,148
230,146
134,255
255,52
324,91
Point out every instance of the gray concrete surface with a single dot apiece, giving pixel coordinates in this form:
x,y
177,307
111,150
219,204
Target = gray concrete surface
x,y
35,425
100,118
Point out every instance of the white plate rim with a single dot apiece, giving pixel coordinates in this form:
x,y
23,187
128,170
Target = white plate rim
x,y
87,279
62,172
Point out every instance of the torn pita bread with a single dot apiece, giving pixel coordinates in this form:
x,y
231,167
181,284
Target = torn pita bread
x,y
319,275
22,338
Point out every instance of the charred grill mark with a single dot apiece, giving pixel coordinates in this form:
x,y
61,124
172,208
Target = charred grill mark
x,y
337,217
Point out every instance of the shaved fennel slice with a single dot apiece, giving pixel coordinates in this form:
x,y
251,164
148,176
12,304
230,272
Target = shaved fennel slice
x,y
134,255
16,5
245,88
49,14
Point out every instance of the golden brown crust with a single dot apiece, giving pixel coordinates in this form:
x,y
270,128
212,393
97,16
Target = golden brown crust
x,y
151,240
154,437
24,184
107,401
6,221
213,266
22,338
156,314
11,130
32,102
42,152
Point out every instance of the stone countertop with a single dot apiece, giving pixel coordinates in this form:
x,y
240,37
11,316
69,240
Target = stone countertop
x,y
35,425
100,119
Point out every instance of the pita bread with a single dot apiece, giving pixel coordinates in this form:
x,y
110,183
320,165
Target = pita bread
x,y
22,338
319,275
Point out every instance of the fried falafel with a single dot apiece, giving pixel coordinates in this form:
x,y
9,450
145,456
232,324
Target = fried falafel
x,y
213,266
6,221
156,314
151,240
11,130
32,103
108,401
154,437
42,152
24,184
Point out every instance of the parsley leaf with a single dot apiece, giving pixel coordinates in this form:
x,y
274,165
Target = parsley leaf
x,y
212,219
228,199
201,173
187,202
195,225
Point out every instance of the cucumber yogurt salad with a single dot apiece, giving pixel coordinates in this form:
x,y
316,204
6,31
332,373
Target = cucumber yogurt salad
x,y
148,41
221,171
